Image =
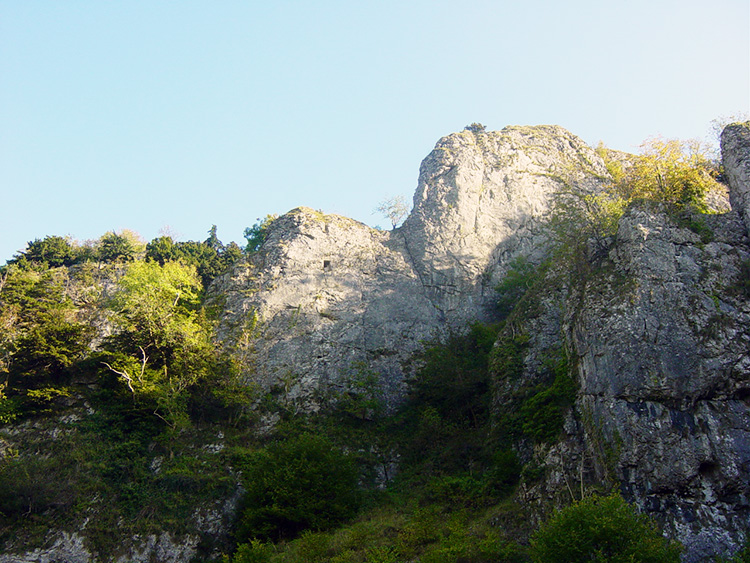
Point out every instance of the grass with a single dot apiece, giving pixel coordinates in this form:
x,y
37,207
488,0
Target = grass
x,y
402,530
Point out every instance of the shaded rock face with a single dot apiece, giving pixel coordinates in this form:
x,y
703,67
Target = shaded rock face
x,y
663,345
328,297
660,334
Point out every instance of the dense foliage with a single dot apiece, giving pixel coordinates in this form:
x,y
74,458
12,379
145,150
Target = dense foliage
x,y
602,529
210,257
677,176
157,371
303,483
679,173
163,345
42,336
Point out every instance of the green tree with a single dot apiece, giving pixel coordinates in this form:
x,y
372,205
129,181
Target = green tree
x,y
205,258
454,377
113,247
670,171
601,529
213,240
211,257
163,344
49,348
49,252
256,235
476,128
41,336
303,483
162,249
519,278
231,254
673,173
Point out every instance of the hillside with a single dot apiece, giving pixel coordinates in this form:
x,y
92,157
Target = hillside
x,y
546,326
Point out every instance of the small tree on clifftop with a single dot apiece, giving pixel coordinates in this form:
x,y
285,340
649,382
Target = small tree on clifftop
x,y
394,209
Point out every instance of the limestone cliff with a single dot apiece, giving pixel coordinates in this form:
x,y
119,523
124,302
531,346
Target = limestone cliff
x,y
660,337
735,144
326,295
660,332
656,328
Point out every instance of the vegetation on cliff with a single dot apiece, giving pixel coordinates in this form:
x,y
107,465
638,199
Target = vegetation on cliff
x,y
134,419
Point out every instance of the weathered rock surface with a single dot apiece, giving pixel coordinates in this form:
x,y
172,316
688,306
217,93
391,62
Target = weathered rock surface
x,y
660,331
735,145
481,201
71,548
663,344
326,295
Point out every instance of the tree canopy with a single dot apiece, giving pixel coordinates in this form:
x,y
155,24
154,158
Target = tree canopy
x,y
162,344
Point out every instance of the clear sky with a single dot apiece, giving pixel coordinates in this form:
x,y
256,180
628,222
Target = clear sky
x,y
156,114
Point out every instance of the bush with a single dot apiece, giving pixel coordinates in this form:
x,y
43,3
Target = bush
x,y
124,246
521,276
254,551
455,379
543,414
670,171
303,483
602,529
50,348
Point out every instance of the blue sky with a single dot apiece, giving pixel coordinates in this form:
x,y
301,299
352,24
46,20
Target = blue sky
x,y
153,115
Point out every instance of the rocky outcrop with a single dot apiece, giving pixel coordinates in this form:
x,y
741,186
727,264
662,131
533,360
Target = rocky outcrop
x,y
663,346
327,297
735,145
71,548
659,331
482,200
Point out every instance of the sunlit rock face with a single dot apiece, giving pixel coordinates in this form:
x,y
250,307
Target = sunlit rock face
x,y
482,200
326,301
735,150
327,298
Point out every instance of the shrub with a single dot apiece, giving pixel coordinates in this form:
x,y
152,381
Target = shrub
x,y
454,378
50,347
303,483
602,529
521,276
254,551
542,415
113,247
670,171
